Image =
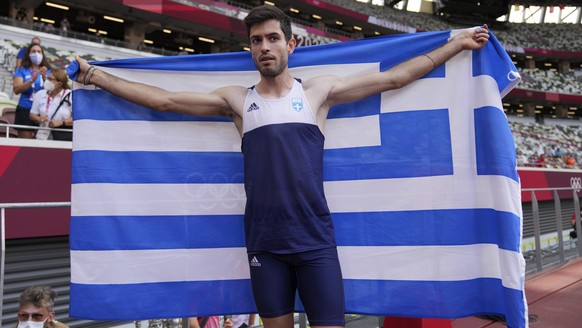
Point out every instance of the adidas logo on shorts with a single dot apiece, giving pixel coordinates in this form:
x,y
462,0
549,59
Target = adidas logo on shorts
x,y
255,262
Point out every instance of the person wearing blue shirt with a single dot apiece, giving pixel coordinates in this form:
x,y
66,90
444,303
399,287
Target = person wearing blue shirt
x,y
22,52
28,80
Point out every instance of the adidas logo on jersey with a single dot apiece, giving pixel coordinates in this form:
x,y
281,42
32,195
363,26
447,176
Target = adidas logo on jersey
x,y
255,262
252,107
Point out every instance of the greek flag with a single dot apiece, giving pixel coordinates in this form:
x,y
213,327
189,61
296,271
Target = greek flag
x,y
421,182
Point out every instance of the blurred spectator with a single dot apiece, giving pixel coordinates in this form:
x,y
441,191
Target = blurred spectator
x,y
241,321
541,161
570,160
549,151
36,309
28,80
558,153
22,52
52,107
38,25
48,28
21,15
65,26
204,322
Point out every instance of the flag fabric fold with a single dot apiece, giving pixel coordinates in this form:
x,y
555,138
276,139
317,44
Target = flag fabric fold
x,y
421,182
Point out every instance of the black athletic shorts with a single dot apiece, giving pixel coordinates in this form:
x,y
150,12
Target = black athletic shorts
x,y
316,275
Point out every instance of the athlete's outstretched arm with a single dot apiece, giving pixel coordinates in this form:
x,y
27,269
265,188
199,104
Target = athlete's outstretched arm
x,y
193,103
347,90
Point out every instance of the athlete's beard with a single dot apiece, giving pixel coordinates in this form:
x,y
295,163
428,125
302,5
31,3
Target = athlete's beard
x,y
272,71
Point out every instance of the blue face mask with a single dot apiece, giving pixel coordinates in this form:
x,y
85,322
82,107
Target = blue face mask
x,y
36,58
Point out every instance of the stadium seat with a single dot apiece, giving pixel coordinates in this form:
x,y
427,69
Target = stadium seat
x,y
7,103
9,113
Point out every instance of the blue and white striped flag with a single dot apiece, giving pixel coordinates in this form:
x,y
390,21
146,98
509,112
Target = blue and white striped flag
x,y
421,182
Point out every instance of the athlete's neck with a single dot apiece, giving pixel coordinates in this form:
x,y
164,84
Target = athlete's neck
x,y
275,87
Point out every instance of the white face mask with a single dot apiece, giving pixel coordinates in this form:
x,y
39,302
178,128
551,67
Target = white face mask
x,y
49,85
32,324
36,58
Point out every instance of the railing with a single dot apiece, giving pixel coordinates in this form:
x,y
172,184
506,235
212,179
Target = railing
x,y
559,249
5,129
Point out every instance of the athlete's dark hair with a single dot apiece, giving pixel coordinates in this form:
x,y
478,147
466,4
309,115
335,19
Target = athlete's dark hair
x,y
264,13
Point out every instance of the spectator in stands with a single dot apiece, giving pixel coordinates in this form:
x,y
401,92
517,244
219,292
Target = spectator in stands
x,y
204,322
22,52
28,80
52,107
521,157
48,28
558,153
21,15
36,308
549,151
239,321
541,161
303,258
569,160
65,26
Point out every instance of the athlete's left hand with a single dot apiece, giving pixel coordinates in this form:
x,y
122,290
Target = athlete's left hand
x,y
474,39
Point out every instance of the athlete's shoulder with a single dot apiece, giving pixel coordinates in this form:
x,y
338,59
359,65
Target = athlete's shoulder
x,y
231,89
234,96
231,93
319,82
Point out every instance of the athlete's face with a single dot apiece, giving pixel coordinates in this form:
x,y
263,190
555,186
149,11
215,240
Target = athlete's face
x,y
269,49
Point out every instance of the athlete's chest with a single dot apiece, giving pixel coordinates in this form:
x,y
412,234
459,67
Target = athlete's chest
x,y
293,108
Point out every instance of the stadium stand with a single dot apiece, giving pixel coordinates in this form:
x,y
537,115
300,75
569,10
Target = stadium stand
x,y
543,36
546,80
417,21
535,140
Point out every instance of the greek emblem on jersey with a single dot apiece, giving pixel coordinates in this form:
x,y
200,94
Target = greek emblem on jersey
x,y
297,104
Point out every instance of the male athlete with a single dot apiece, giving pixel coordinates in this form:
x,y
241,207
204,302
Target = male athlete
x,y
288,226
